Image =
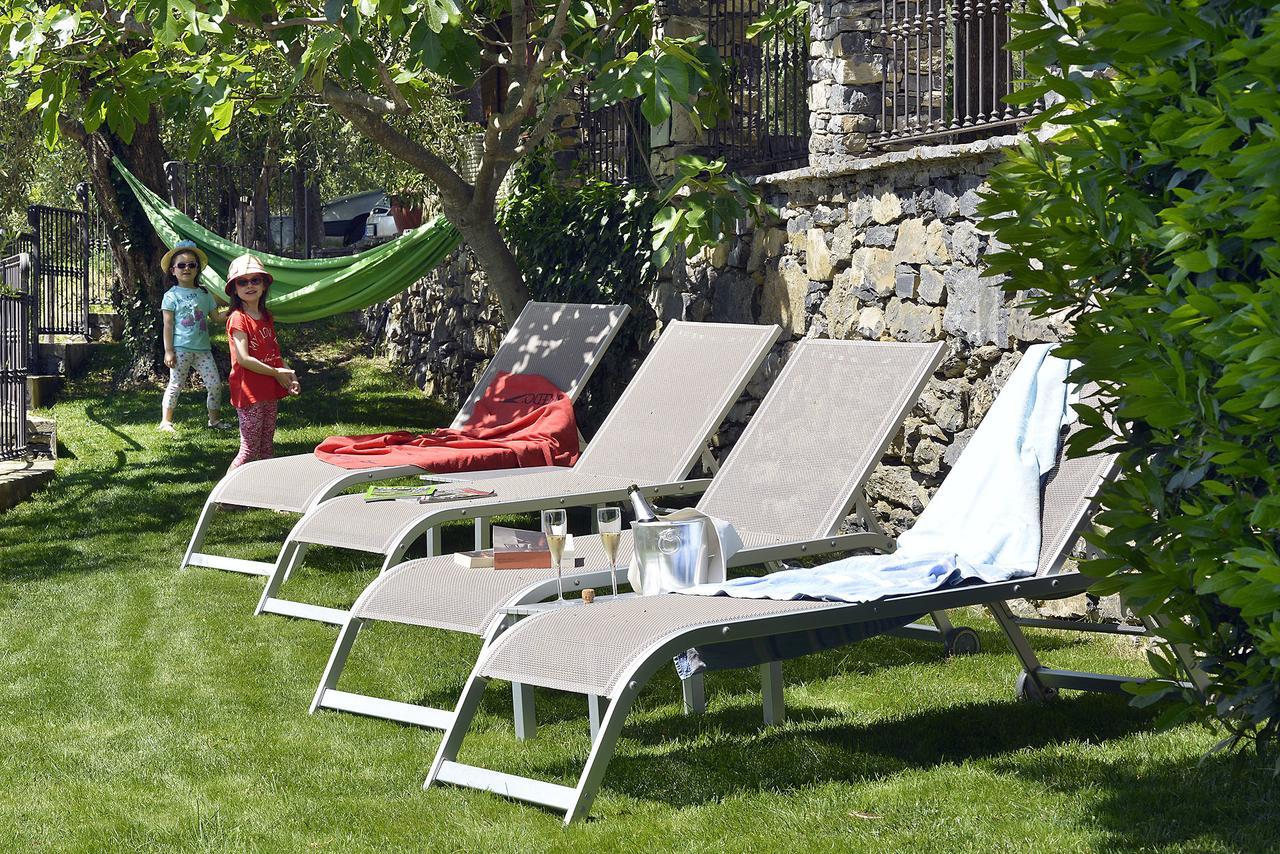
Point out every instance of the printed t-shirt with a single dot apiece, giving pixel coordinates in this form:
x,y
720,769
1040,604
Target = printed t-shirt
x,y
247,387
191,308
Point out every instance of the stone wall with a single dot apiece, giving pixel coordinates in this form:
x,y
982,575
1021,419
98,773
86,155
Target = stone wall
x,y
441,331
885,248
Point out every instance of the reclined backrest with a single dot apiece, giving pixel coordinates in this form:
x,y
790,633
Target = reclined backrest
x,y
674,403
817,436
561,341
1067,500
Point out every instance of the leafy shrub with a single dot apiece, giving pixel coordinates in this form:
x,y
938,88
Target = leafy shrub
x,y
1152,219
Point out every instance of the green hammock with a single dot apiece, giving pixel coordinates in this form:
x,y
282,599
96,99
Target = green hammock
x,y
308,289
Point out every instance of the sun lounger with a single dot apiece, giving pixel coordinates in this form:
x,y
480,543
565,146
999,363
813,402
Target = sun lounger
x,y
563,342
787,486
609,650
652,437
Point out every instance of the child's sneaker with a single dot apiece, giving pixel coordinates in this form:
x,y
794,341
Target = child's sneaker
x,y
220,425
167,427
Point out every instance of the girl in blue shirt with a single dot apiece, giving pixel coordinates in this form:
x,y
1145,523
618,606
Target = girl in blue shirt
x,y
188,309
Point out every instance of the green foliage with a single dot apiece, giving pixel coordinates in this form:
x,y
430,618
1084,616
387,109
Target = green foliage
x,y
1152,219
587,243
700,207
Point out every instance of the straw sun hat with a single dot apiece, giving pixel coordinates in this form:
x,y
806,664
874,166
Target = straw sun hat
x,y
166,262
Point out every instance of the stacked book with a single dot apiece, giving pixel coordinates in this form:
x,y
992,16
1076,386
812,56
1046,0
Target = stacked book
x,y
516,549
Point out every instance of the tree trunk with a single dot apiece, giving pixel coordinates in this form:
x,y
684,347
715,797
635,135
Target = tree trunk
x,y
502,273
135,245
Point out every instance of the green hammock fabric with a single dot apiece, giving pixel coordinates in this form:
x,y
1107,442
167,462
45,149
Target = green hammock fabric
x,y
308,289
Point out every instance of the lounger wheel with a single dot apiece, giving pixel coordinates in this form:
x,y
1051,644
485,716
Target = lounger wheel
x,y
962,640
1028,690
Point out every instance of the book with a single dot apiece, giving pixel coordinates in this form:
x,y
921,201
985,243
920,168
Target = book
x,y
516,549
484,559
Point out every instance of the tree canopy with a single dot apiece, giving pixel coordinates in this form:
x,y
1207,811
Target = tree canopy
x,y
381,65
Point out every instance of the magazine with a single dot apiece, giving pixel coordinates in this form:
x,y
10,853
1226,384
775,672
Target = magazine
x,y
426,493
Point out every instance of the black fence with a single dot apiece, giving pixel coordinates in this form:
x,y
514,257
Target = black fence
x,y
60,270
15,344
271,208
947,72
613,143
767,126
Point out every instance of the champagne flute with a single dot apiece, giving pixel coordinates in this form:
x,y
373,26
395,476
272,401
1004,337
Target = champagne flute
x,y
556,526
609,521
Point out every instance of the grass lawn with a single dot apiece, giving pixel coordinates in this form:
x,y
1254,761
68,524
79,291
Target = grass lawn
x,y
143,707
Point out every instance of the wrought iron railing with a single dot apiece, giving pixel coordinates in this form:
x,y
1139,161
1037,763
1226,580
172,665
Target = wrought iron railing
x,y
767,126
947,71
613,142
15,341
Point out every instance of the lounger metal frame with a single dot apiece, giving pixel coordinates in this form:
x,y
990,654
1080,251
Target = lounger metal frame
x,y
827,541
607,713
513,354
610,488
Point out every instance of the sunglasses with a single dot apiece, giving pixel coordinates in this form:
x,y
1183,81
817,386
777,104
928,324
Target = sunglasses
x,y
183,265
251,280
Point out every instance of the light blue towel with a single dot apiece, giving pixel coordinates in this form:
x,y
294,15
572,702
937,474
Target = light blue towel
x,y
984,521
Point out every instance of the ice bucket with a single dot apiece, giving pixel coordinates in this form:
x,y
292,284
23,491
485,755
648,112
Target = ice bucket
x,y
671,555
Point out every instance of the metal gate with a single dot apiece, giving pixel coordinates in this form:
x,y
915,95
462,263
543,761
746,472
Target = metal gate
x,y
15,338
99,260
60,268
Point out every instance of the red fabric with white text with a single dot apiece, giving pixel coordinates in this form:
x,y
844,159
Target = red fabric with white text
x,y
521,420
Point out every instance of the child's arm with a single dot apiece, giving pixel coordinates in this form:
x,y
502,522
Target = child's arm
x,y
170,357
219,312
284,376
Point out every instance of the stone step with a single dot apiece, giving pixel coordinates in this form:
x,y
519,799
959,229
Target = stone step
x,y
41,389
61,357
42,435
105,326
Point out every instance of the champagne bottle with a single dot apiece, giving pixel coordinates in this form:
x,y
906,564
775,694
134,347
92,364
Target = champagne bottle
x,y
640,506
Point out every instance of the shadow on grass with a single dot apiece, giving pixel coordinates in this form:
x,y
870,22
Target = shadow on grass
x,y
727,751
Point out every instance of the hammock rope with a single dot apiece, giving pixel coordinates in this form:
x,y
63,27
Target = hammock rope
x,y
307,289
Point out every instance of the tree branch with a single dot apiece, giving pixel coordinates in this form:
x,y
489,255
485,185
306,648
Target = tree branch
x,y
374,126
335,94
397,97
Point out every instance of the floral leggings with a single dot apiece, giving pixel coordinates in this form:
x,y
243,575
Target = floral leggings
x,y
257,432
202,361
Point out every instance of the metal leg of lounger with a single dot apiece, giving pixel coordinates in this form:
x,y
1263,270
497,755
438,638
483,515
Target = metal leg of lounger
x,y
694,691
597,707
602,747
484,534
337,660
1199,679
290,556
524,711
1030,684
775,710
202,528
709,462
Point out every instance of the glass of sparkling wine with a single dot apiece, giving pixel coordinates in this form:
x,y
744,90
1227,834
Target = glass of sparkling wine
x,y
556,526
609,521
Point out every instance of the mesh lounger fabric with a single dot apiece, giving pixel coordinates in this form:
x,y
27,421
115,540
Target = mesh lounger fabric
x,y
560,341
585,650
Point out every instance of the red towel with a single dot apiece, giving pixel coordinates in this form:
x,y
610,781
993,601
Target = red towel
x,y
521,420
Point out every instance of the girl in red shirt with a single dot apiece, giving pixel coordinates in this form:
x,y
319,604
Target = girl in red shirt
x,y
259,376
